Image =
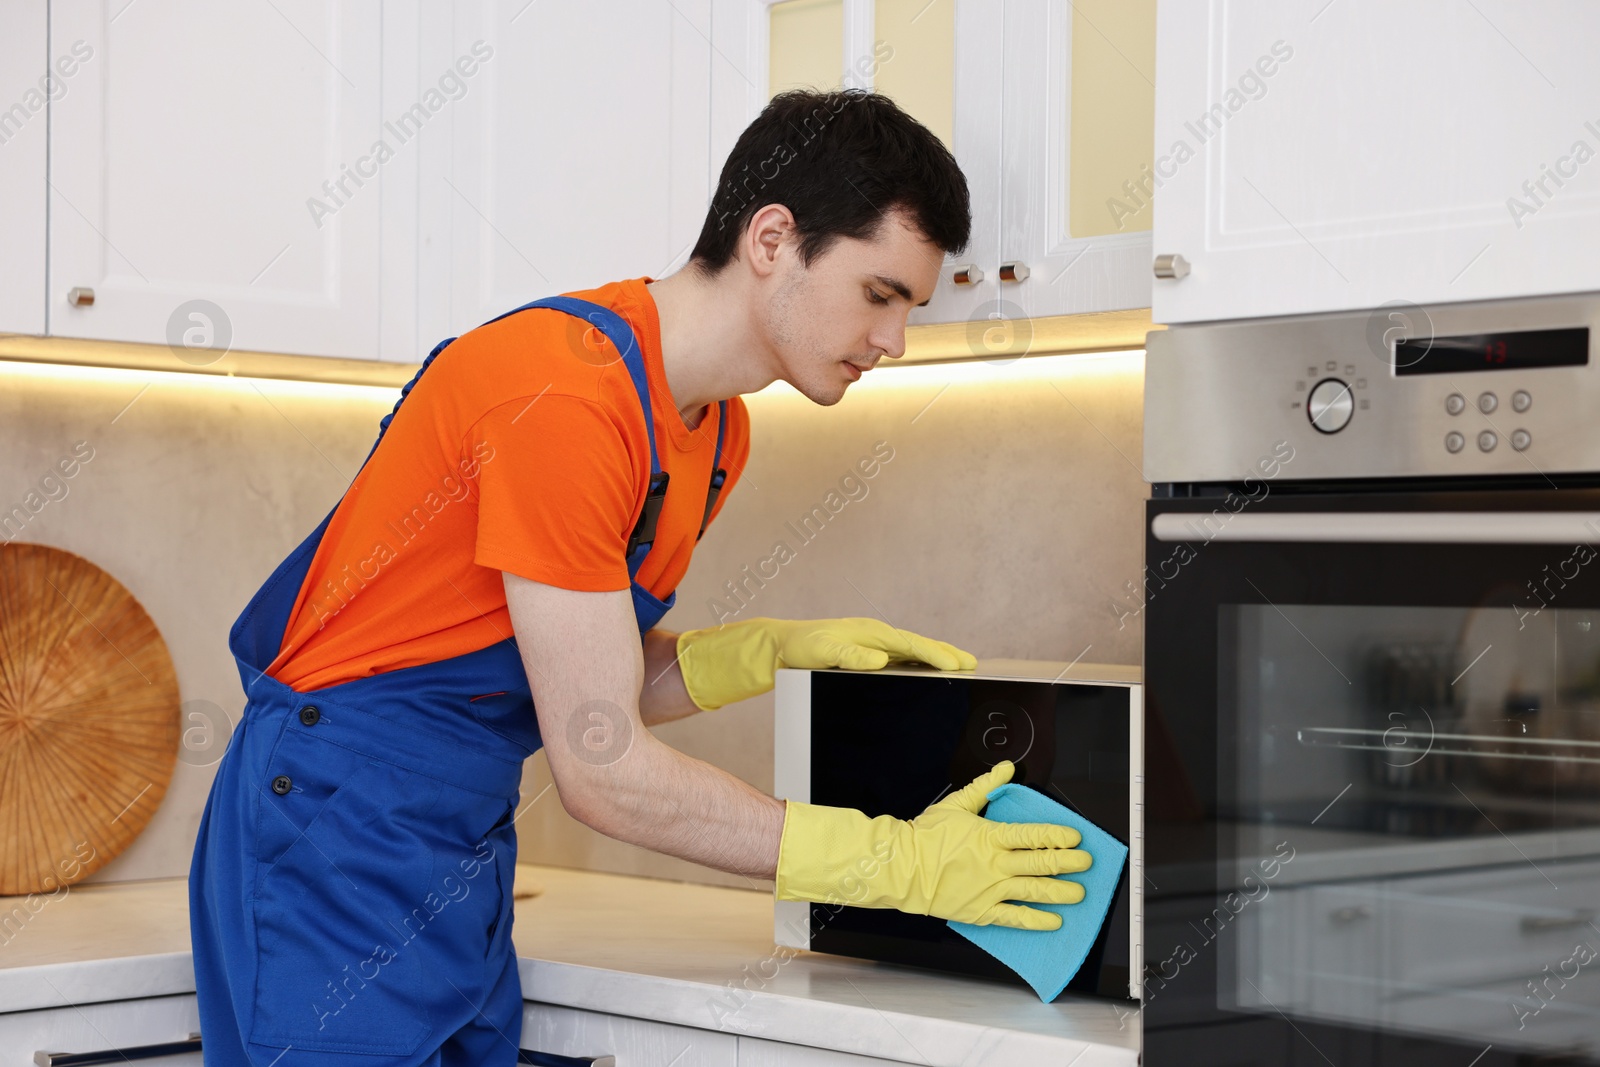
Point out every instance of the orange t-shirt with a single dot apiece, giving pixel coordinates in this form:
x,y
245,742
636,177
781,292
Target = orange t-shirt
x,y
521,449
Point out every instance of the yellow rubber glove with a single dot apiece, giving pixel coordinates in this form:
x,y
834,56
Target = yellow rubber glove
x,y
736,661
949,861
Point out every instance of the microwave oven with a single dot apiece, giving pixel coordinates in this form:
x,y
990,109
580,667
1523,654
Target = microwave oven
x,y
893,741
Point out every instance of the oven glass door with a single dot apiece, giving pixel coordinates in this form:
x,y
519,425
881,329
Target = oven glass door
x,y
1373,780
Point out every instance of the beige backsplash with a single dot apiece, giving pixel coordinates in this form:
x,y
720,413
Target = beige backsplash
x,y
1007,521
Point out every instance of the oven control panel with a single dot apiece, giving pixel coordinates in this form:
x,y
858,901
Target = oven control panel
x,y
1501,387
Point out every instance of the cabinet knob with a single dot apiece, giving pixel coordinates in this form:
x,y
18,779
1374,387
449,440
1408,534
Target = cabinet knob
x,y
80,297
1013,272
1172,266
966,274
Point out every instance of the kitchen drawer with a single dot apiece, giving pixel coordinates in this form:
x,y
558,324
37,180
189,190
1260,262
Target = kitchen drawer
x,y
570,1032
118,1024
1477,926
753,1052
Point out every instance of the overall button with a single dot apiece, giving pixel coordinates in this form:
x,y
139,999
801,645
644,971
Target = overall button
x,y
1454,442
1521,400
309,715
1487,402
1455,403
282,784
1521,439
1487,440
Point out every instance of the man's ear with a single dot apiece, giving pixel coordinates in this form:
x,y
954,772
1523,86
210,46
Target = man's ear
x,y
770,231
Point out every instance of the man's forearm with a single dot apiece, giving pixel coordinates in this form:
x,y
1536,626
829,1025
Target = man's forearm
x,y
663,697
661,799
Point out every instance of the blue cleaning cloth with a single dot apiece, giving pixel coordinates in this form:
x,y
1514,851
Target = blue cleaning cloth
x,y
1048,959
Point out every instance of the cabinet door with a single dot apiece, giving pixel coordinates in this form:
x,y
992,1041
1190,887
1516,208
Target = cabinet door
x,y
1077,114
122,1025
225,154
27,81
570,1032
1312,163
579,154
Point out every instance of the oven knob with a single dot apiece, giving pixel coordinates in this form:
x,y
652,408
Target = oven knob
x,y
1454,442
1487,440
1521,401
1455,403
1329,405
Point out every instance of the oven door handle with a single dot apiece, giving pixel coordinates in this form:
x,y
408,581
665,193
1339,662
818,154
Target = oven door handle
x,y
1382,527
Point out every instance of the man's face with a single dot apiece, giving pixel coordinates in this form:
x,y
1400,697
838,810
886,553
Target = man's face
x,y
831,322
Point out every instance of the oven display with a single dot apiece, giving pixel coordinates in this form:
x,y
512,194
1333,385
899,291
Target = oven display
x,y
1493,351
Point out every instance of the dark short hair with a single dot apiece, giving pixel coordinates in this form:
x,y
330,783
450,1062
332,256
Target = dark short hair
x,y
839,161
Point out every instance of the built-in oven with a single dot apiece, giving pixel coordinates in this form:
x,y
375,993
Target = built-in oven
x,y
1371,602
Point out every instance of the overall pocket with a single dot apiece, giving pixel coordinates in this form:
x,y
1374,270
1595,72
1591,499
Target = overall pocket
x,y
338,912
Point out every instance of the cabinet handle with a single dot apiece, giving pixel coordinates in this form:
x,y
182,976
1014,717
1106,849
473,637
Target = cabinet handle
x,y
1172,266
1542,924
550,1059
967,274
117,1055
1013,272
1353,913
80,297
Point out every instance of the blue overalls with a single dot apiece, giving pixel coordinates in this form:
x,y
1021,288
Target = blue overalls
x,y
350,891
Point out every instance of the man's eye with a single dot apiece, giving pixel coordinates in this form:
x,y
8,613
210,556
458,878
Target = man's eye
x,y
872,295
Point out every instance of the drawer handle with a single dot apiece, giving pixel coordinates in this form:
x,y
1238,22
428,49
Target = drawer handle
x,y
1014,272
80,296
550,1059
1543,924
117,1055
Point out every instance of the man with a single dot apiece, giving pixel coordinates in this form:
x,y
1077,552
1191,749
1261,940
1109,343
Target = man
x,y
490,584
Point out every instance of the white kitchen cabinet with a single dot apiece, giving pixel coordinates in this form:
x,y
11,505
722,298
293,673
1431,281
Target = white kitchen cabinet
x,y
1319,157
28,79
1012,101
754,1052
579,153
122,1025
221,154
590,1034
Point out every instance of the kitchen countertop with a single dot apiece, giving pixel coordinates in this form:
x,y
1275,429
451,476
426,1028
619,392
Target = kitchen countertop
x,y
673,952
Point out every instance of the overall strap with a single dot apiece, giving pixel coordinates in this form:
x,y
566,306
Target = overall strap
x,y
718,475
616,330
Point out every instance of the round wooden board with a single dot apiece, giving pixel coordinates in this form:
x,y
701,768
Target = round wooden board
x,y
89,718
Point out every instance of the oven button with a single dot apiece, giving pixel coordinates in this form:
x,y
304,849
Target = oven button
x,y
1521,439
1329,406
1521,401
1487,440
1487,402
1454,442
1455,403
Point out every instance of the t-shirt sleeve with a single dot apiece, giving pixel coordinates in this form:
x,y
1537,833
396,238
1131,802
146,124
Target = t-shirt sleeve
x,y
556,493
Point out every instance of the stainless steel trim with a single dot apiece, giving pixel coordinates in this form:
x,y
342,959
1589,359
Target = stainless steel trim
x,y
1227,401
1383,527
